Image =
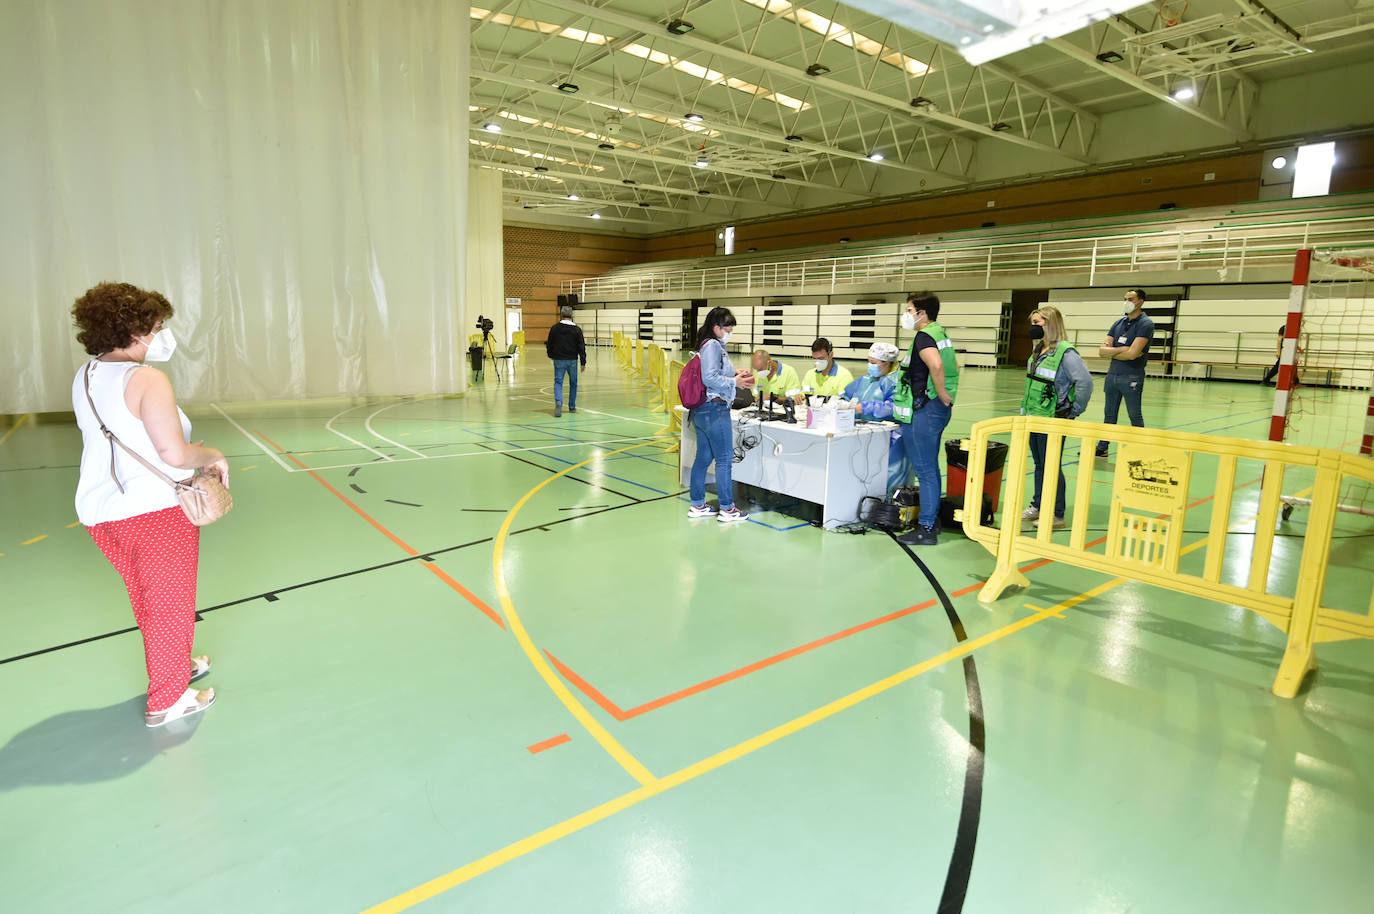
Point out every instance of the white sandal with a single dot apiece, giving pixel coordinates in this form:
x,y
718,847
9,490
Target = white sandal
x,y
190,702
199,667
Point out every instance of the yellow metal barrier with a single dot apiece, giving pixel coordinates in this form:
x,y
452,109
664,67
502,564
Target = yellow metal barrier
x,y
1145,523
517,339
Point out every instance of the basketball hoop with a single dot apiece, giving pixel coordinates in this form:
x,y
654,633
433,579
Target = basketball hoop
x,y
1171,12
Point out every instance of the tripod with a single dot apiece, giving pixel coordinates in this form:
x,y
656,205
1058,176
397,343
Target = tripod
x,y
490,349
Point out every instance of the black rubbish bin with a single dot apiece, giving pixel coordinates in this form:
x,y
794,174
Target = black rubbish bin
x,y
956,459
475,356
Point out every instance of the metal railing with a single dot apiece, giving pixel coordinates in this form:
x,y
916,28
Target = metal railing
x,y
1229,250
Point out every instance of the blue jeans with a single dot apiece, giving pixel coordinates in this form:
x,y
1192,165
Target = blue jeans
x,y
921,438
1038,444
1117,388
715,441
560,368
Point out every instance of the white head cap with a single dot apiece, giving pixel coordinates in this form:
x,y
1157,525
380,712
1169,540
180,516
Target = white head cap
x,y
883,352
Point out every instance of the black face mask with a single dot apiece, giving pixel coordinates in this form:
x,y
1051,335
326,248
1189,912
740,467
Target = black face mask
x,y
1037,332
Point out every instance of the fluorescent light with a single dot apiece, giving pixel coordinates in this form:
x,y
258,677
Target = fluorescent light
x,y
1183,93
875,156
1279,162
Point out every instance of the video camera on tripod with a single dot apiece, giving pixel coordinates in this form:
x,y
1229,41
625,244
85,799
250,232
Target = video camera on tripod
x,y
485,324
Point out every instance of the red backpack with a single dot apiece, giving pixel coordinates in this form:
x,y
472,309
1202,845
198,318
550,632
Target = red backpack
x,y
691,391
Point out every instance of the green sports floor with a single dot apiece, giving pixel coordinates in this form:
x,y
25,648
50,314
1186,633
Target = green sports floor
x,y
473,658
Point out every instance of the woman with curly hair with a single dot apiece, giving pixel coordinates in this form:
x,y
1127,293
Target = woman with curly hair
x,y
131,513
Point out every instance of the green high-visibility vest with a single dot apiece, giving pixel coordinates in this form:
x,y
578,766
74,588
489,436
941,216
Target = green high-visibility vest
x,y
903,400
1041,397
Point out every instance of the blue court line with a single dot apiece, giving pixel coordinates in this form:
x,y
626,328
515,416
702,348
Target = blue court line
x,y
752,520
573,463
593,443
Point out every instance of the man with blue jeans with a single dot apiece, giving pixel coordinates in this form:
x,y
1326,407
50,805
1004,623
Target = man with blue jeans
x,y
567,348
1127,347
932,376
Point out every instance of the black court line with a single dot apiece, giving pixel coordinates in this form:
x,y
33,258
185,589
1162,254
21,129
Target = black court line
x,y
970,811
585,482
272,596
408,504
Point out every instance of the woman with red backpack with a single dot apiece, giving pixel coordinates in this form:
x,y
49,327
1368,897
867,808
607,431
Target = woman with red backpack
x,y
715,440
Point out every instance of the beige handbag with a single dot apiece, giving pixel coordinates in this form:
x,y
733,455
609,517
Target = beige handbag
x,y
202,496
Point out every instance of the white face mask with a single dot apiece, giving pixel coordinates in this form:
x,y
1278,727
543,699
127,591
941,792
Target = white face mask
x,y
725,337
762,372
161,347
1127,307
908,321
821,363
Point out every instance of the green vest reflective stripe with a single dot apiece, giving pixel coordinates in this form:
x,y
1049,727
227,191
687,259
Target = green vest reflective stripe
x,y
946,347
1041,397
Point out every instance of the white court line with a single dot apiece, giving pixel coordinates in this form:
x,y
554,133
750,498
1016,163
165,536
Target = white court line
x,y
518,450
330,427
281,463
367,424
583,409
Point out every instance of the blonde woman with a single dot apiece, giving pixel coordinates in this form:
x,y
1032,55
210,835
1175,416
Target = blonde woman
x,y
1058,385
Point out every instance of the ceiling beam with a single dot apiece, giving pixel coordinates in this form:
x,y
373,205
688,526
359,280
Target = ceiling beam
x,y
1069,49
531,86
831,86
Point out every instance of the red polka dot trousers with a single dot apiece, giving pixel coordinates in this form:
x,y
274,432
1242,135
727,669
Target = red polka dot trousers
x,y
157,554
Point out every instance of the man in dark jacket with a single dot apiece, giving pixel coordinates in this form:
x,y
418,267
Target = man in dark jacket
x,y
567,348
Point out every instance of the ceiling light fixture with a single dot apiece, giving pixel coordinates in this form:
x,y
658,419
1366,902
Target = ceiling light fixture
x,y
793,138
680,27
569,88
627,181
596,215
573,197
605,146
779,177
922,102
491,127
817,69
644,205
1183,93
1109,57
703,193
541,168
695,118
702,162
875,156
1000,126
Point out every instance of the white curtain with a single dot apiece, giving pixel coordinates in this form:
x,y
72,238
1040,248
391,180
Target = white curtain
x,y
486,280
291,175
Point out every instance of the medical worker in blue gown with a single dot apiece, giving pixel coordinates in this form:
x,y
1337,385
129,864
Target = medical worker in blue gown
x,y
871,396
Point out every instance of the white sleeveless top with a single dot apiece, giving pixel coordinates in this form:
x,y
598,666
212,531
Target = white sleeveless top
x,y
98,498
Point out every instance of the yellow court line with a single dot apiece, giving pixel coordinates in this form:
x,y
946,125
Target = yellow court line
x,y
74,524
42,536
584,717
15,427
720,759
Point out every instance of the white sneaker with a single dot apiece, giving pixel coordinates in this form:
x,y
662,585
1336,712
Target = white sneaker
x,y
700,511
1058,523
732,516
1030,513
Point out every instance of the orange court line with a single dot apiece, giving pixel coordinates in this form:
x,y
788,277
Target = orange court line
x,y
621,715
434,569
549,743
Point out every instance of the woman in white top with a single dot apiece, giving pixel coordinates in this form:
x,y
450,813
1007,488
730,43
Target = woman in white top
x,y
133,515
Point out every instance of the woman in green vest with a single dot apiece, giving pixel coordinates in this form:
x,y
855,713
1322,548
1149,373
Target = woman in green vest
x,y
924,402
1058,385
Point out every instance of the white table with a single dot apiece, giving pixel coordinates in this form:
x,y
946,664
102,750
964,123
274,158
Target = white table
x,y
835,470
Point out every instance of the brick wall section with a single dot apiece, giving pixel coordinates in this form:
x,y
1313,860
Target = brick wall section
x,y
537,260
